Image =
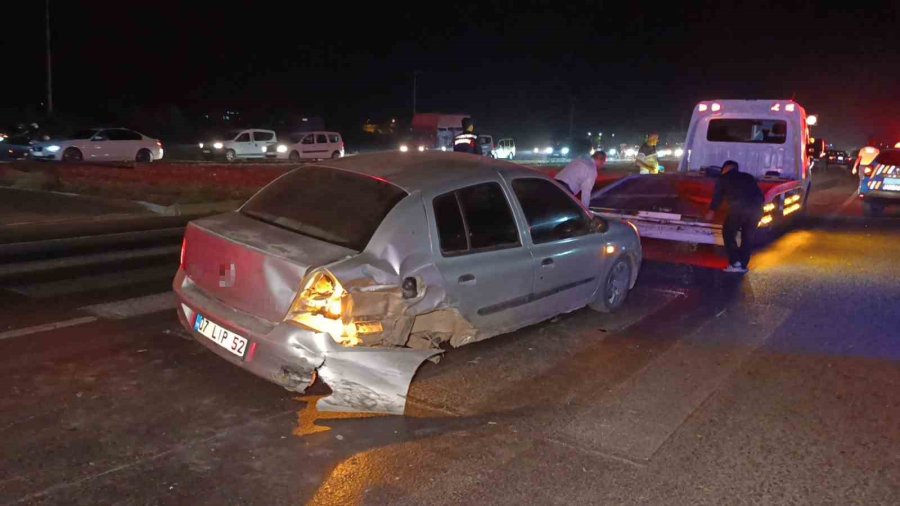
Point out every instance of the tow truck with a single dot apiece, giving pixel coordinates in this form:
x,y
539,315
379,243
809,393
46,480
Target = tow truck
x,y
768,138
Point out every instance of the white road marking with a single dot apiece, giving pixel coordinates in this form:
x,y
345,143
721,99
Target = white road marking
x,y
136,306
34,329
118,279
84,260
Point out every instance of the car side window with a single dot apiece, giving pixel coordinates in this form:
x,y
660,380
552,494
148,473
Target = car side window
x,y
334,139
321,139
244,137
475,218
552,214
102,135
132,135
115,134
309,139
263,136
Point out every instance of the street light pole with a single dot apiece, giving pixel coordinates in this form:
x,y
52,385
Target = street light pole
x,y
415,83
49,62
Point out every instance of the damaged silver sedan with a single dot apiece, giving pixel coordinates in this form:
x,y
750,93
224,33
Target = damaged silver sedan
x,y
356,271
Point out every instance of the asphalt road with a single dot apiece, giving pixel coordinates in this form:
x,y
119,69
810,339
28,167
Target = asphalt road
x,y
779,387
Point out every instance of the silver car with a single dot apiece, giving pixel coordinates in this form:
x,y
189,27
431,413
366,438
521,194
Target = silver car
x,y
357,270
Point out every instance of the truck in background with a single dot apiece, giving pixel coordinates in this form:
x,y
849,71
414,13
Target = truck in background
x,y
768,138
433,131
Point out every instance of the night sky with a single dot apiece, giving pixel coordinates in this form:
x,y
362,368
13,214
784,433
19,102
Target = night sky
x,y
514,66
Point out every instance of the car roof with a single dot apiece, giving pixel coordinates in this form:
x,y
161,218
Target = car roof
x,y
417,171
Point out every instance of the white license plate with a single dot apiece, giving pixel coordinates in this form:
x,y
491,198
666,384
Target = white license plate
x,y
232,342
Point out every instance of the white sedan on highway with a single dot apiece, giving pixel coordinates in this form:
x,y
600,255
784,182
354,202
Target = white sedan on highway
x,y
100,145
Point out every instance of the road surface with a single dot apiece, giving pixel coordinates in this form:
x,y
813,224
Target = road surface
x,y
777,387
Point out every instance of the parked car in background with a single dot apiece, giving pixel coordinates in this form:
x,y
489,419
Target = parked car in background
x,y
309,146
879,185
237,144
487,145
357,270
100,145
506,149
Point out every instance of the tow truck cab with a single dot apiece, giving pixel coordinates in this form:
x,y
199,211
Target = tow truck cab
x,y
768,138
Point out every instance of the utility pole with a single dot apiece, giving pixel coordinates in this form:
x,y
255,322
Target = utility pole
x,y
415,83
571,117
49,62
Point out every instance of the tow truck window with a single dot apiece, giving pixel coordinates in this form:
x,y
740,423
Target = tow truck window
x,y
763,131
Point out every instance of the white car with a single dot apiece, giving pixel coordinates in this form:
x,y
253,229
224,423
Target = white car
x,y
309,146
506,149
100,145
234,144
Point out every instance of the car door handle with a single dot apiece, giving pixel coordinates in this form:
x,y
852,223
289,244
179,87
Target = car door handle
x,y
467,279
547,262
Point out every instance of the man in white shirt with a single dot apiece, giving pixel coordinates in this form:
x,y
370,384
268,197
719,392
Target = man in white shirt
x,y
581,175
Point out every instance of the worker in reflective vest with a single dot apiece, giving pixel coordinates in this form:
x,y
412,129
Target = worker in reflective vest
x,y
647,161
467,141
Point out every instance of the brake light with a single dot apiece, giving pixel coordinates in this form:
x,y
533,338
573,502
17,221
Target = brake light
x,y
716,107
897,145
323,305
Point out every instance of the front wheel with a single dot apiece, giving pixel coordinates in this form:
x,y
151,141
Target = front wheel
x,y
294,156
230,155
614,289
72,155
336,154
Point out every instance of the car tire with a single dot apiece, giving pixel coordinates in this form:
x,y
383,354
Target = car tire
x,y
72,155
144,156
294,156
614,289
336,154
230,155
509,156
872,209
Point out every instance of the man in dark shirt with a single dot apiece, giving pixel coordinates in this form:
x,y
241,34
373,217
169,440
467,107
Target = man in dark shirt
x,y
743,201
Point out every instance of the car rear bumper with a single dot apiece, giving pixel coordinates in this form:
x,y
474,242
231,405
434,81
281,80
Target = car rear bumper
x,y
361,379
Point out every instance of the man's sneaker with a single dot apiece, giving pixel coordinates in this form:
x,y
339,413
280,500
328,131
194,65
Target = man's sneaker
x,y
735,267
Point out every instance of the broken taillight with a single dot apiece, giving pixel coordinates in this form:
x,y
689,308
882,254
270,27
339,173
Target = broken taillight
x,y
323,305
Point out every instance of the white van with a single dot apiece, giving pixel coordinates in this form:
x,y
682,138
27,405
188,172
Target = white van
x,y
309,146
235,144
506,149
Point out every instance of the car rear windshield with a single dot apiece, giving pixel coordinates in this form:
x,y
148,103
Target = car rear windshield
x,y
888,158
332,205
765,131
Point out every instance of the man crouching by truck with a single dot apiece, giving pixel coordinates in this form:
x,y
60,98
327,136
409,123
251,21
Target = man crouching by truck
x,y
743,207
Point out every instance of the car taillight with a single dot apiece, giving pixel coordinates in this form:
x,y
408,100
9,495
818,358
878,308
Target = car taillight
x,y
183,247
323,305
159,144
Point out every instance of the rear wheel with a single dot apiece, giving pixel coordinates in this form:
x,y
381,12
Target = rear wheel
x,y
72,155
509,156
872,209
336,154
614,289
230,155
144,156
294,156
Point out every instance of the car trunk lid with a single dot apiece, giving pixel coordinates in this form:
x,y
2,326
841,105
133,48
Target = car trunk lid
x,y
252,266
